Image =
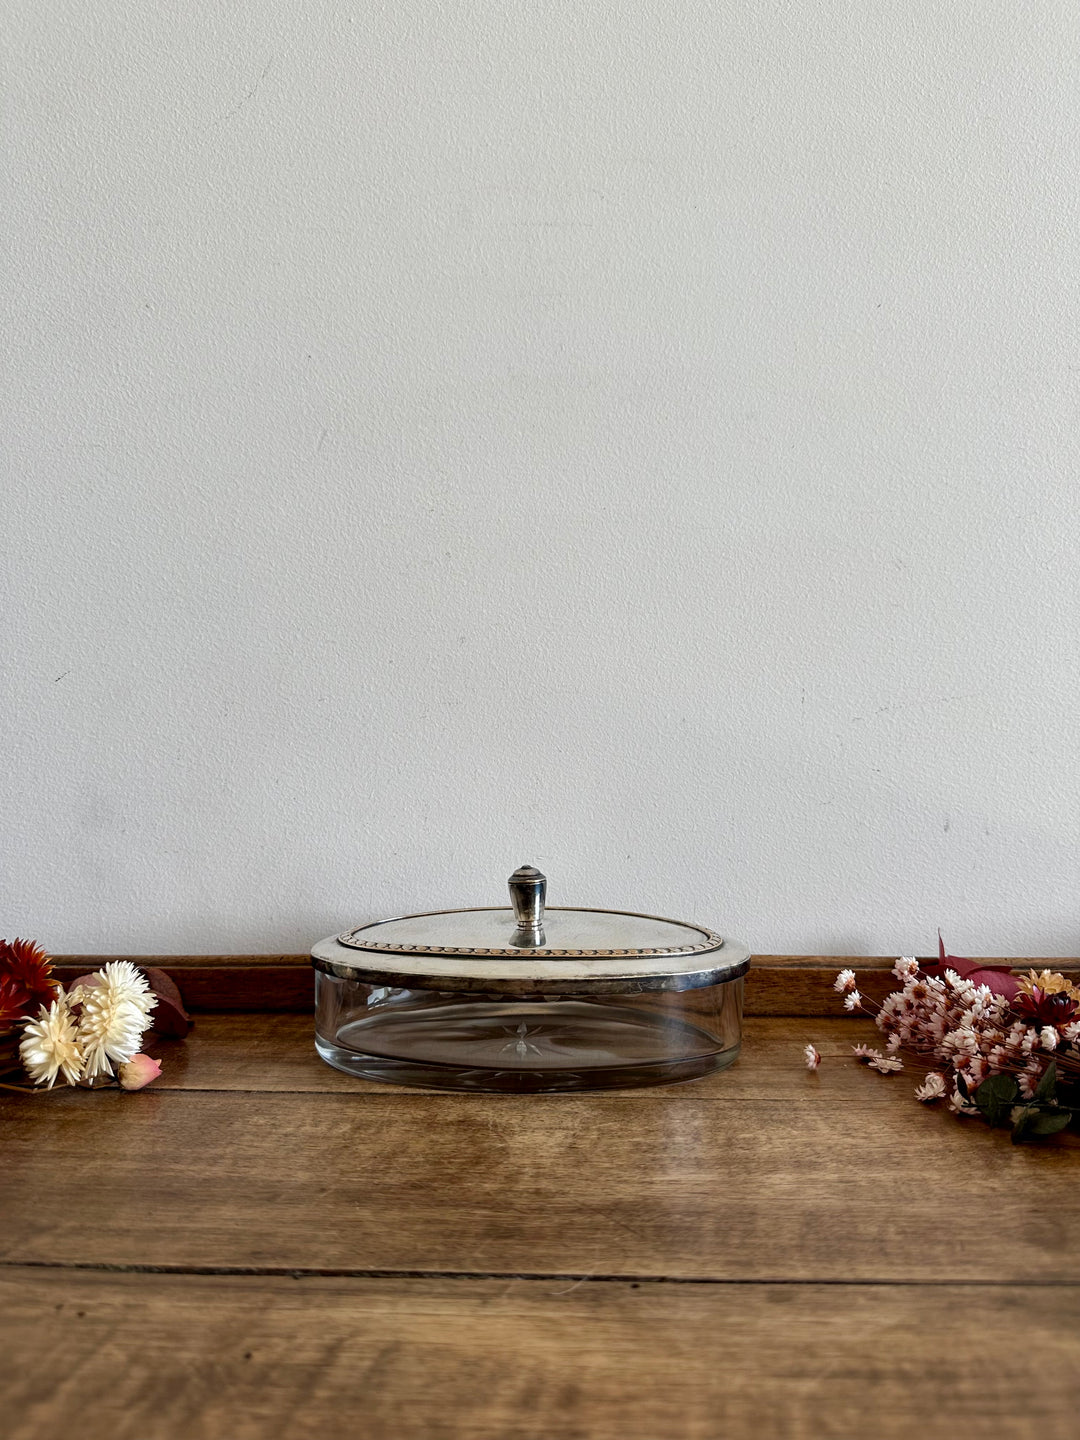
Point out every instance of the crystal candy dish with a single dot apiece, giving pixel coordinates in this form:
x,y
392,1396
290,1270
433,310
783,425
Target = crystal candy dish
x,y
529,998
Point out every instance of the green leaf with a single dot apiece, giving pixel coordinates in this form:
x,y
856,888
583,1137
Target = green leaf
x,y
1045,1088
1049,1122
996,1097
1020,1129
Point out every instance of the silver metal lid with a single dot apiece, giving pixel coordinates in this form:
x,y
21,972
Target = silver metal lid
x,y
529,948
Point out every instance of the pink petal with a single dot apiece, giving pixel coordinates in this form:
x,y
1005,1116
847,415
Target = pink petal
x,y
139,1071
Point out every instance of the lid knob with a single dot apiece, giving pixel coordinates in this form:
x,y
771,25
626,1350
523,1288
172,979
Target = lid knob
x,y
528,889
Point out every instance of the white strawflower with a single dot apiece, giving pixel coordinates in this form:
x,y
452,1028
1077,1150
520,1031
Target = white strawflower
x,y
932,1088
1049,1037
115,1013
853,1000
906,967
845,981
959,1106
813,1057
125,981
50,1045
886,1064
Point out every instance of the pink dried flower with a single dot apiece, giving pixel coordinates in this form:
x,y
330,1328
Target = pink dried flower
x,y
813,1057
139,1071
906,967
852,1000
1029,1077
959,1106
863,1052
886,1064
845,981
932,1088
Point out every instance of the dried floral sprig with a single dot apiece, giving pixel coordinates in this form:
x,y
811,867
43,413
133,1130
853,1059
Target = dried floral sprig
x,y
993,1045
79,1036
26,982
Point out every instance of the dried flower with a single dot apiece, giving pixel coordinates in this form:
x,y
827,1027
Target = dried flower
x,y
50,1045
886,1064
932,1088
1048,1008
125,982
139,1071
26,981
960,1106
995,1042
13,1007
1050,982
813,1057
845,981
115,1014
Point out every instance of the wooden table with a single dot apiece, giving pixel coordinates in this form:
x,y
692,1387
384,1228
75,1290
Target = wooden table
x,y
261,1247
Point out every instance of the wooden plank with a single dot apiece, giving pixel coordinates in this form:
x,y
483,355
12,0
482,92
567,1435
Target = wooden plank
x,y
787,1187
276,1052
776,984
117,1357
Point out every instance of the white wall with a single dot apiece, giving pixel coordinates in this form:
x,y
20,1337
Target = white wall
x,y
640,439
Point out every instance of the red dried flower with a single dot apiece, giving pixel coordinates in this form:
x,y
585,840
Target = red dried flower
x,y
26,976
13,1007
1038,1006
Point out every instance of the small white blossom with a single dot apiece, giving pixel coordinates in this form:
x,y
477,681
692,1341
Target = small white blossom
x,y
906,967
864,1052
886,1064
845,981
974,1073
813,1057
115,1014
959,1106
125,982
1030,1076
50,1045
1048,1037
932,1088
852,1001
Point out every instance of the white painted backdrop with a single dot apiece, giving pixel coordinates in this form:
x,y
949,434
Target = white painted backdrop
x,y
640,439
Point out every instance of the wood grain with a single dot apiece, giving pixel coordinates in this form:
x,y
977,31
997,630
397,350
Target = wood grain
x,y
122,1357
770,1178
776,984
766,1254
